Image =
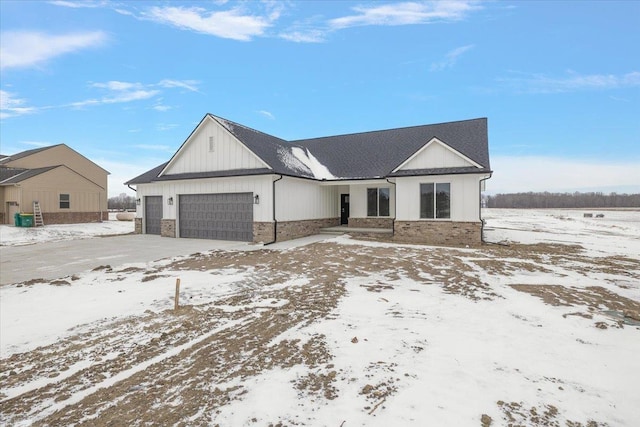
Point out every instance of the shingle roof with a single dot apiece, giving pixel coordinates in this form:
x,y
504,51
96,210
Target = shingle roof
x,y
13,178
363,155
148,176
378,153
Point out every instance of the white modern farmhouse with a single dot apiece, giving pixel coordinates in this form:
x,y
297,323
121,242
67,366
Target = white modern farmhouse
x,y
231,182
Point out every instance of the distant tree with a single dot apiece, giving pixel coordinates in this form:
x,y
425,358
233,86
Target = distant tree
x,y
562,200
122,202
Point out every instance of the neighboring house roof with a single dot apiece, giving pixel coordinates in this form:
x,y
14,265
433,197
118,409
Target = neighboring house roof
x,y
365,155
16,175
26,153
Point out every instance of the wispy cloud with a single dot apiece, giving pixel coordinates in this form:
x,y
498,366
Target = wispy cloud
x,y
11,106
406,13
451,58
572,82
392,14
166,126
23,49
266,114
115,92
233,24
79,3
190,85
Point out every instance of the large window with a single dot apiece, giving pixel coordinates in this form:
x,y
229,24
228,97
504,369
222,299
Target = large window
x,y
435,200
377,202
64,201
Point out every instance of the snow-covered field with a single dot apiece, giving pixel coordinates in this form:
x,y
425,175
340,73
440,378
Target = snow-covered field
x,y
13,236
342,333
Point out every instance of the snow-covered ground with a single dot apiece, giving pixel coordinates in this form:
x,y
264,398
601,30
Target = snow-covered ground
x,y
13,236
342,333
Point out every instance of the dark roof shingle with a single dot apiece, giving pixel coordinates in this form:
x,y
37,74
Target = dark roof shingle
x,y
363,155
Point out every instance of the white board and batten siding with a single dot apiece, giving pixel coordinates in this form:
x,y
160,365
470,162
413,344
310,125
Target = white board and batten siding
x,y
434,155
465,196
212,148
258,185
358,198
301,199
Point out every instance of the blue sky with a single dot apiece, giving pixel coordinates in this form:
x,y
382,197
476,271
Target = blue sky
x,y
125,82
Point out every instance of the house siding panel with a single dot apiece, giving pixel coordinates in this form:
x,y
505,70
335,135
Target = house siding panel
x,y
228,154
465,197
300,199
435,155
358,199
261,186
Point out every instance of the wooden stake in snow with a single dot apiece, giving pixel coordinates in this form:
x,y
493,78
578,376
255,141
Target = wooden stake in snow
x,y
177,299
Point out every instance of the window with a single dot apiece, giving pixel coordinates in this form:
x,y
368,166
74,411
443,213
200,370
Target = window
x,y
435,200
64,201
377,202
212,144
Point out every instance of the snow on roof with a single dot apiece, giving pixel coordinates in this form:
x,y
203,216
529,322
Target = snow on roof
x,y
318,170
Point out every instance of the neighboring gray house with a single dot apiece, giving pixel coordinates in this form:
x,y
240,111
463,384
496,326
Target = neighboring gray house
x,y
231,182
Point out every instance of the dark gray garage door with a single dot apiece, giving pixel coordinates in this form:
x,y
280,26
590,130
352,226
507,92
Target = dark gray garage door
x,y
226,216
153,214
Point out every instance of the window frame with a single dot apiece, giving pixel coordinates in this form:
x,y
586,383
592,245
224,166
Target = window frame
x,y
380,193
433,209
61,201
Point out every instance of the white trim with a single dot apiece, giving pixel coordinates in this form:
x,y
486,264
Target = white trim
x,y
193,134
356,182
427,145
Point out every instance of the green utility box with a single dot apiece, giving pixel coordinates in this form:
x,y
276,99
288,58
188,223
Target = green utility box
x,y
16,219
26,220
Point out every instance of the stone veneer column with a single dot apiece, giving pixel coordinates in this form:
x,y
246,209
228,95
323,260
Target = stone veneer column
x,y
137,226
168,228
262,232
438,232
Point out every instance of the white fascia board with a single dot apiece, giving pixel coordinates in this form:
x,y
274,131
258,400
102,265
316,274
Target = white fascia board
x,y
435,140
356,182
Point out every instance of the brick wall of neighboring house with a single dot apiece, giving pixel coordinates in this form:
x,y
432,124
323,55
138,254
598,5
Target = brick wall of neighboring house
x,y
73,217
438,232
168,227
288,230
371,222
137,229
262,232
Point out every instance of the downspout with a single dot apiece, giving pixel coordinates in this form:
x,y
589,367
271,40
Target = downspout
x,y
395,198
480,207
273,204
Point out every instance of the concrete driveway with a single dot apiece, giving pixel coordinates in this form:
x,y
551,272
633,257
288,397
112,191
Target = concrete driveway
x,y
52,260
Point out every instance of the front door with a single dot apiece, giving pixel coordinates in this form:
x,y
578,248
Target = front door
x,y
344,209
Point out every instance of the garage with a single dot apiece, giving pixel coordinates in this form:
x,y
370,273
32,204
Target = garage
x,y
223,216
153,214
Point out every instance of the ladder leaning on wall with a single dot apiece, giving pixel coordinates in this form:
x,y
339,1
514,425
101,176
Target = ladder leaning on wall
x,y
37,215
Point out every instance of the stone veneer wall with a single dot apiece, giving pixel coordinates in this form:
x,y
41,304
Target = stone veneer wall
x,y
288,230
73,217
371,222
262,232
2,220
168,227
438,232
138,226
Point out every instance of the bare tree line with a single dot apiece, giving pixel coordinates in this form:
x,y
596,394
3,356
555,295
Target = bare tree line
x,y
122,202
562,200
